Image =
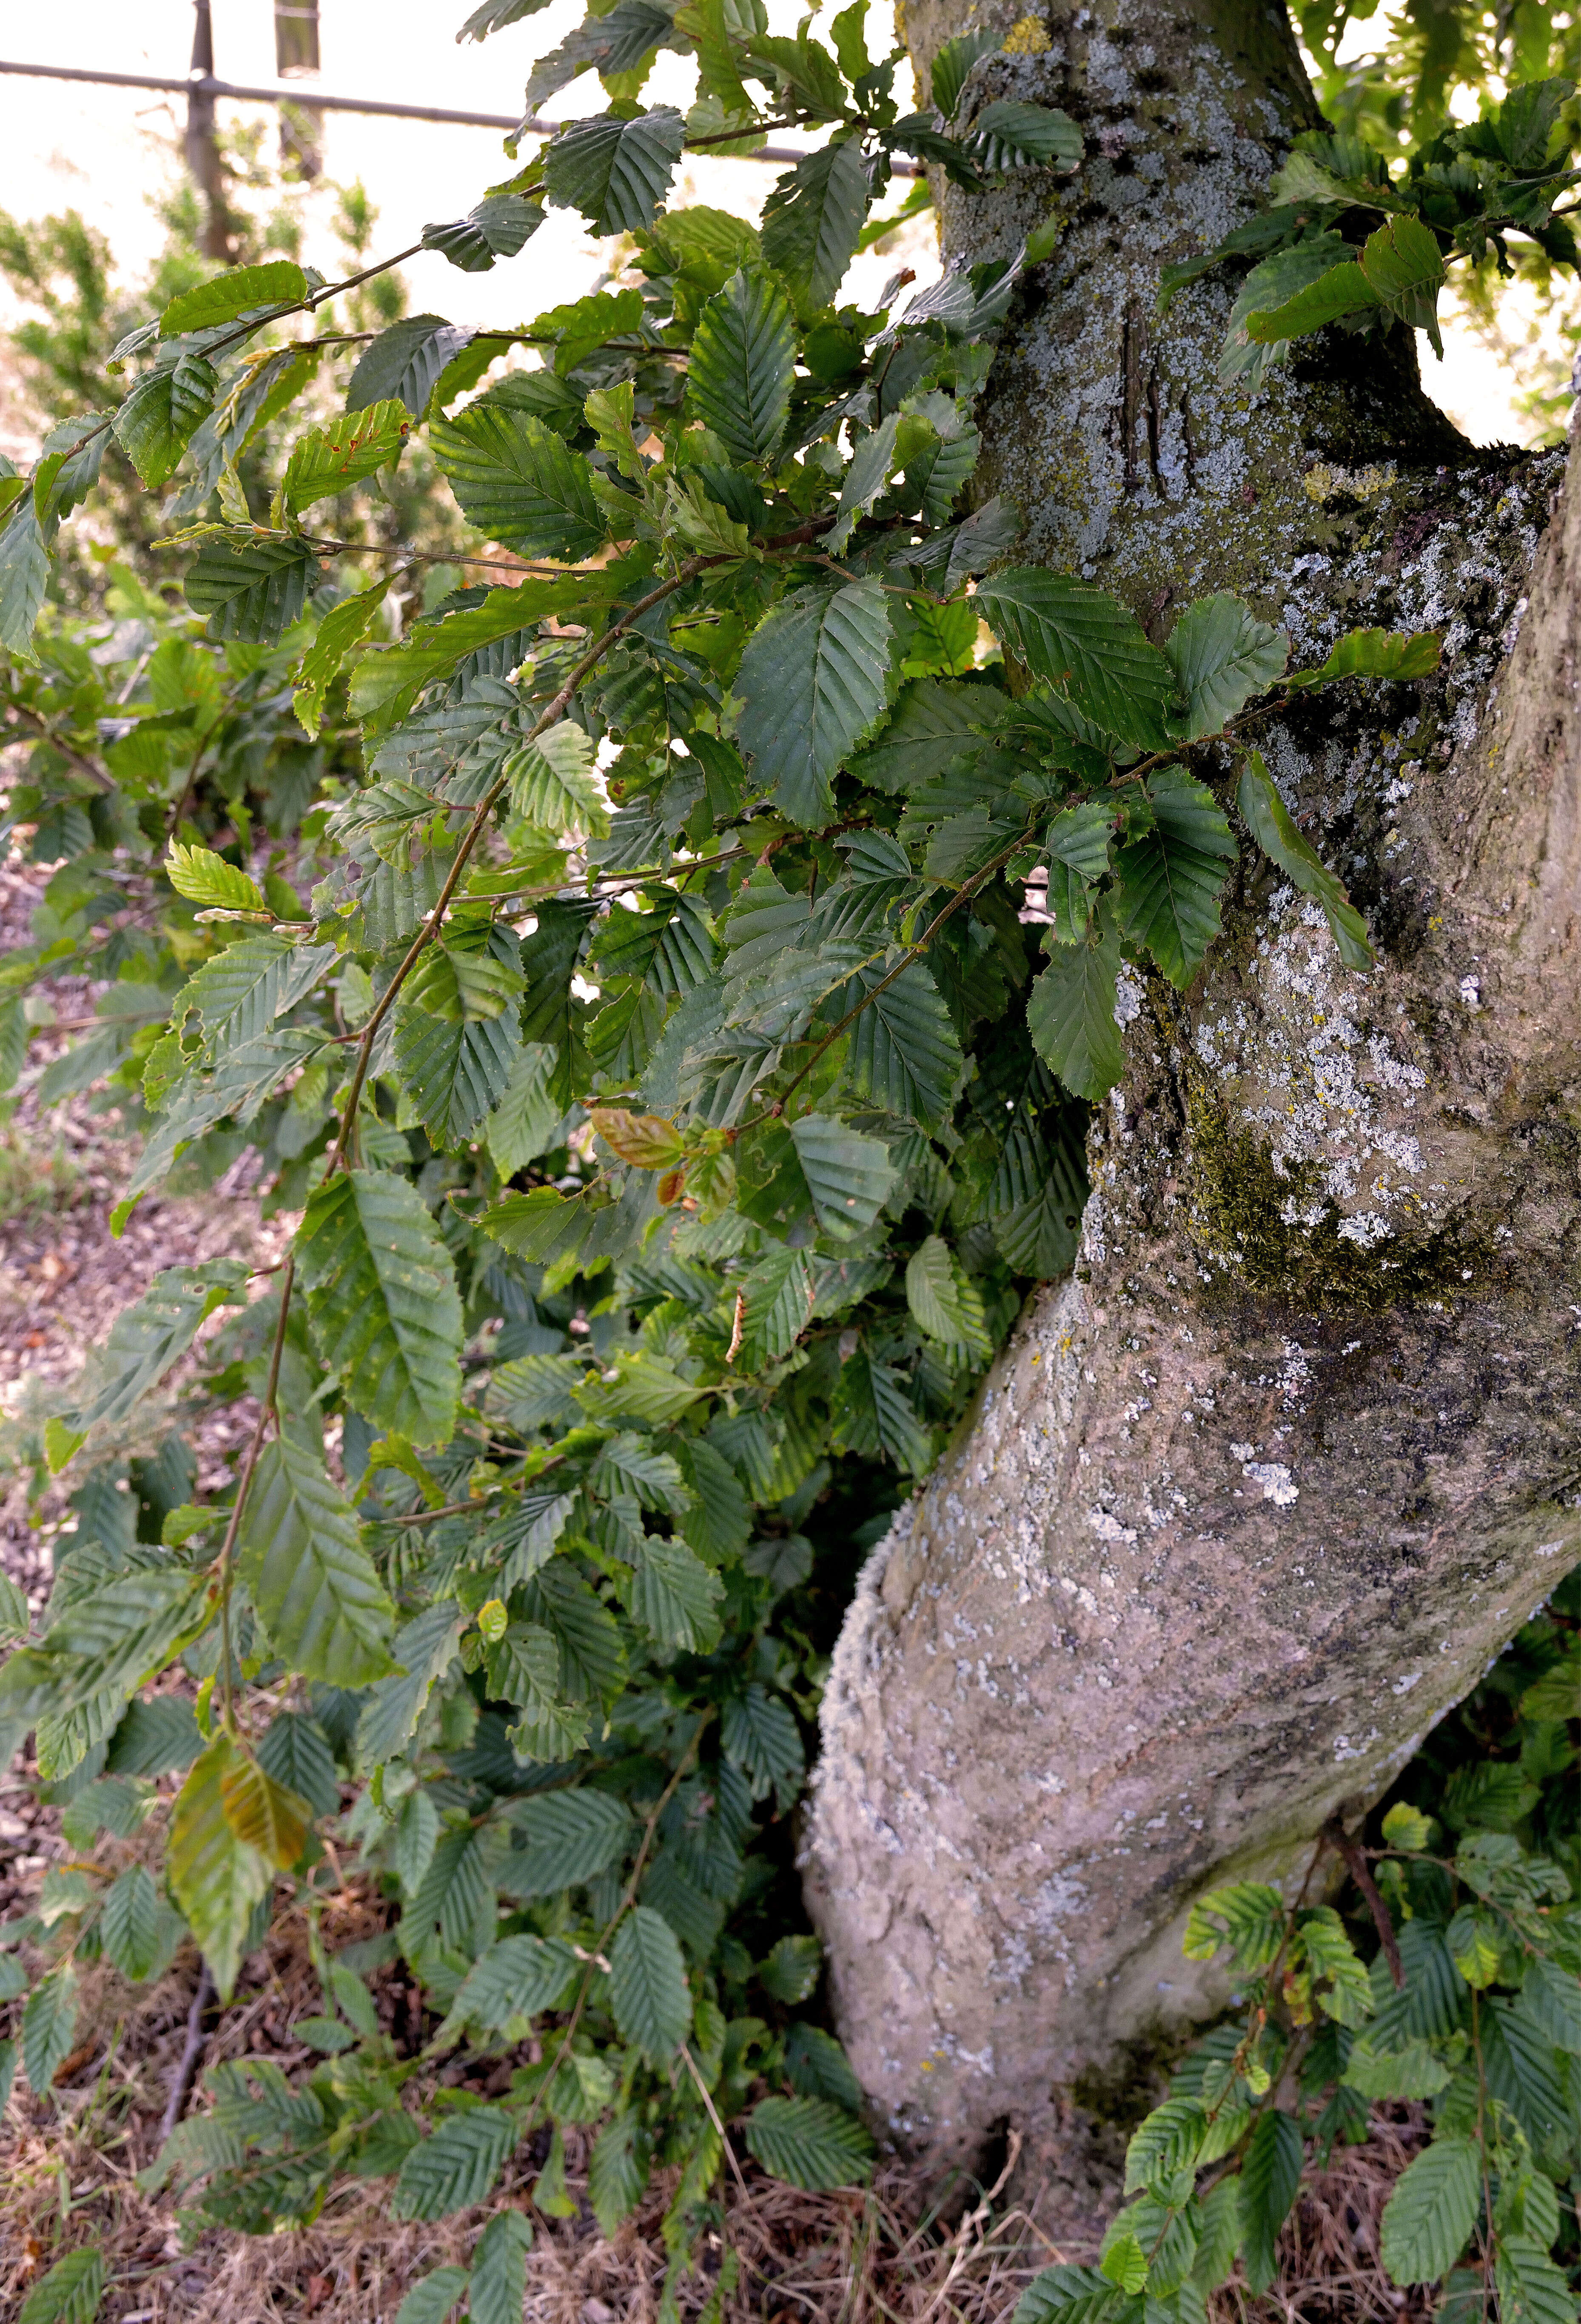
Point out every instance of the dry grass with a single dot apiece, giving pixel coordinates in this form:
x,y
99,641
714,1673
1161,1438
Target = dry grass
x,y
857,2257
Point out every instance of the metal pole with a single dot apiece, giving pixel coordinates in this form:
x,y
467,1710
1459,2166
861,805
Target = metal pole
x,y
202,146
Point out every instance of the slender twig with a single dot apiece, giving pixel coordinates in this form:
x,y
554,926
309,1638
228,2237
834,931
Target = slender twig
x,y
682,1767
706,2095
226,1563
1341,1842
47,734
192,2051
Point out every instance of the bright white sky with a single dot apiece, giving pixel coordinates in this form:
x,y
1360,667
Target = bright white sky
x,y
104,151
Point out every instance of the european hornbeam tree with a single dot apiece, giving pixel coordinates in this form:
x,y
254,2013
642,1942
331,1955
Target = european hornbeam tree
x,y
1051,799
1250,1498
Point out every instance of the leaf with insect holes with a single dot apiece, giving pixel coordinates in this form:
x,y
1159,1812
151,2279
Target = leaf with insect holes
x,y
648,1985
1272,827
216,1877
553,785
332,458
810,2143
299,1552
383,1300
812,681
743,361
161,414
206,879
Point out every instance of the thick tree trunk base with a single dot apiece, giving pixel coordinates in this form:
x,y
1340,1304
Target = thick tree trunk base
x,y
1253,1498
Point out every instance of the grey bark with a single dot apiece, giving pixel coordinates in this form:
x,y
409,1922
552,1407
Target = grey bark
x,y
1250,1500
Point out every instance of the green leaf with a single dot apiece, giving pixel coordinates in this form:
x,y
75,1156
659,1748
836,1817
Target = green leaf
x,y
528,1116
406,361
71,2291
263,1814
776,1302
552,784
791,1968
250,592
818,2068
813,221
383,1300
24,576
947,1304
130,1924
1252,1915
1071,1014
152,1334
332,458
161,413
571,1837
432,2296
455,1074
343,627
1170,881
457,2166
647,1986
1124,2265
1403,268
615,172
1347,1994
1221,655
618,2170
674,1596
312,1582
241,290
743,360
515,480
517,1978
1271,825
1166,2143
1393,654
295,1750
499,226
850,1178
215,1876
1338,290
874,1413
812,682
1532,2288
1410,2071
1270,2176
49,2028
1068,2295
903,1051
1075,636
810,2143
1432,2211
498,2289
206,879
1009,136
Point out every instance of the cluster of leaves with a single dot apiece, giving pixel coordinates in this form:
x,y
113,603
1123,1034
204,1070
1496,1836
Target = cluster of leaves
x,y
676,1031
1399,92
1470,2005
1352,240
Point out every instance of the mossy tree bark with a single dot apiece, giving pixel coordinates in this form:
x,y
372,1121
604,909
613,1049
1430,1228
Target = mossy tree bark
x,y
1250,1500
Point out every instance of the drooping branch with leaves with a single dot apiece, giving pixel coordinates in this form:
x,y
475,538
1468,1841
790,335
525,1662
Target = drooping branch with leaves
x,y
673,1005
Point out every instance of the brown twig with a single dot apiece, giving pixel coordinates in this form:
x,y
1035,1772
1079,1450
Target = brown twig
x,y
191,2053
1341,1842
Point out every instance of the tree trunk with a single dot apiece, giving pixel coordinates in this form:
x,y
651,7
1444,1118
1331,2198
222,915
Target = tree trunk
x,y
1251,1500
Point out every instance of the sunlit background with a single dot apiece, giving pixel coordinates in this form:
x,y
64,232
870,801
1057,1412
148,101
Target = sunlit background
x,y
112,154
